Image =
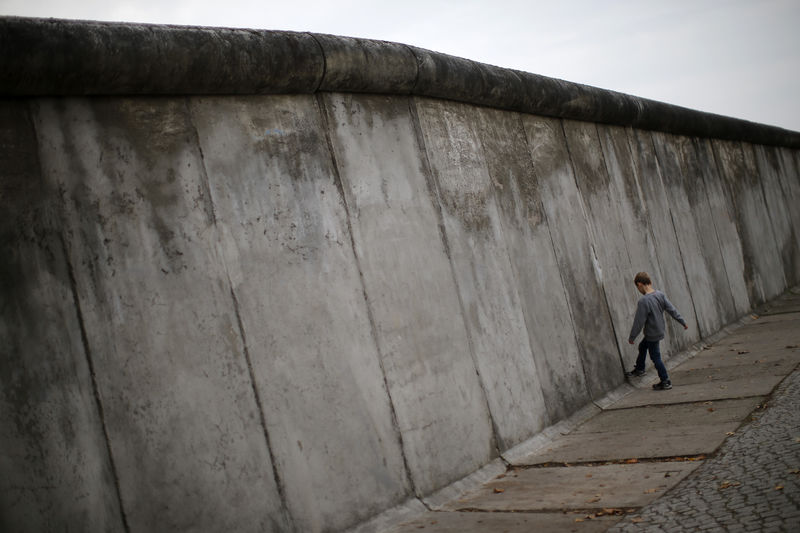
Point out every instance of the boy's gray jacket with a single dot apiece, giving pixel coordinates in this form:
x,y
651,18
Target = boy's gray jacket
x,y
650,314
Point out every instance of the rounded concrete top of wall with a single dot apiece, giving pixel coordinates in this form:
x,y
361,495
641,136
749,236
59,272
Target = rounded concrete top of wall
x,y
53,57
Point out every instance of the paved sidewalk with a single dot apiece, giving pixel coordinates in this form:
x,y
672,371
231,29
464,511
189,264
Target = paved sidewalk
x,y
720,451
752,484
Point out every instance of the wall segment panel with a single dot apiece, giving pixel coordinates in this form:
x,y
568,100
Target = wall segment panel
x,y
480,258
576,256
160,323
440,403
536,272
288,251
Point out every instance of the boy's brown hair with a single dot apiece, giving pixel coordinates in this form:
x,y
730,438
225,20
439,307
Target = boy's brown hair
x,y
642,277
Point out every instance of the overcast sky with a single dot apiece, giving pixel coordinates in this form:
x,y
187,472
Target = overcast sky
x,y
739,58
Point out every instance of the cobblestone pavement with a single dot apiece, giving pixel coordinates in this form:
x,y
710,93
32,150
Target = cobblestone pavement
x,y
751,484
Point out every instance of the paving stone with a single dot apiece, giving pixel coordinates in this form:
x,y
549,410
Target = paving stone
x,y
578,487
760,457
454,522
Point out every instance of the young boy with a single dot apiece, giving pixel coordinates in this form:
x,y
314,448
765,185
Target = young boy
x,y
650,315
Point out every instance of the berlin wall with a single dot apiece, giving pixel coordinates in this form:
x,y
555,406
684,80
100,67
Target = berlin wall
x,y
275,281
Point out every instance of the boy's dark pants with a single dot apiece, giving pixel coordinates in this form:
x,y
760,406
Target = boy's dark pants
x,y
655,356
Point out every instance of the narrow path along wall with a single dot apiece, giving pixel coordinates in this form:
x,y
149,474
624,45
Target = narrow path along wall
x,y
292,312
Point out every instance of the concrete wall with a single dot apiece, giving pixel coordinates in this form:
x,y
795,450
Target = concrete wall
x,y
292,312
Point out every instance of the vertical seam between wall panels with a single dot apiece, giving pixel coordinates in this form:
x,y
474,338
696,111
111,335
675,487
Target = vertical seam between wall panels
x,y
732,211
786,195
630,132
512,269
321,109
696,143
95,389
324,63
603,285
779,247
413,88
591,236
608,171
515,272
86,347
756,270
529,330
433,189
279,483
675,232
578,344
631,136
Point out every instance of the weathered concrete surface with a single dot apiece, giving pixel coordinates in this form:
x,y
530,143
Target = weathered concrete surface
x,y
301,307
613,262
647,443
439,401
299,311
481,522
695,236
576,487
721,211
69,57
778,191
538,278
648,432
665,242
787,303
483,271
721,309
763,266
575,253
53,430
160,324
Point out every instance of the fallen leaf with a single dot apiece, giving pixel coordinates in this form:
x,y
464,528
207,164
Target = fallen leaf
x,y
779,487
588,475
725,484
710,409
632,461
795,471
791,346
730,433
593,500
651,491
579,519
637,520
499,491
740,352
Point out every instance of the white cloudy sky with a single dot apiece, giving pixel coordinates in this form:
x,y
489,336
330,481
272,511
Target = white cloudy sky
x,y
733,57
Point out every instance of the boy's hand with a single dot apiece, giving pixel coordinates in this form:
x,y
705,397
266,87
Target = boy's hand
x,y
630,342
685,326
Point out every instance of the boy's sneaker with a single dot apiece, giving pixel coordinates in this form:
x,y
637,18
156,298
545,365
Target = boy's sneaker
x,y
634,373
664,385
